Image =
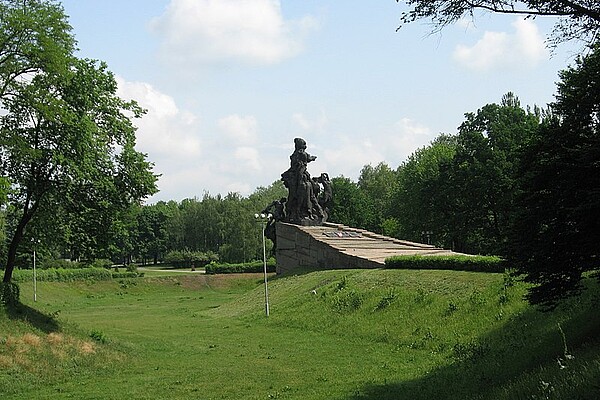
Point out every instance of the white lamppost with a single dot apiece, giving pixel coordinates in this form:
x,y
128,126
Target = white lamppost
x,y
263,219
34,271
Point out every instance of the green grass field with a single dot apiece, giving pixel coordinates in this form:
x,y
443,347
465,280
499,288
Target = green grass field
x,y
346,334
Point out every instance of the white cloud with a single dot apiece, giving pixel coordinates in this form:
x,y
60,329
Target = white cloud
x,y
248,157
310,124
170,137
408,136
240,130
165,132
346,154
523,48
191,159
300,120
208,31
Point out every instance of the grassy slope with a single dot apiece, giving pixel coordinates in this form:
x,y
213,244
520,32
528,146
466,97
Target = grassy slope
x,y
368,334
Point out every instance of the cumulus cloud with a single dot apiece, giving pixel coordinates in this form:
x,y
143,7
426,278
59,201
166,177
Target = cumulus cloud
x,y
348,155
165,132
524,47
207,31
248,157
171,138
408,136
309,124
241,130
344,154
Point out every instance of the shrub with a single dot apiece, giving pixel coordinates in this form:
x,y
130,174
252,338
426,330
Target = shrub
x,y
127,274
385,301
346,300
454,262
61,263
132,267
70,275
253,266
188,259
99,336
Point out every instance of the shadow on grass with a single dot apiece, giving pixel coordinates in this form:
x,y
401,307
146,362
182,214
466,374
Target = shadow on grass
x,y
37,319
491,366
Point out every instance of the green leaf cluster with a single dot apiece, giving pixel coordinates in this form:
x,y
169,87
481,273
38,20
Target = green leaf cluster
x,y
67,142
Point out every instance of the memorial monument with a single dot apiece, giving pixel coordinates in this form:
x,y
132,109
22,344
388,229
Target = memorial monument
x,y
309,199
303,239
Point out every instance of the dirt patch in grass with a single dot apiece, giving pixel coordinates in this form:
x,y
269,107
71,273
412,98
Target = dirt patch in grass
x,y
86,348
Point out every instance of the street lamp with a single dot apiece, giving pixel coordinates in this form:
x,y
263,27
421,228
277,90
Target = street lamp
x,y
34,271
263,219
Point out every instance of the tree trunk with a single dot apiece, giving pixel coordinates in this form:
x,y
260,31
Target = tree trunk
x,y
12,249
16,240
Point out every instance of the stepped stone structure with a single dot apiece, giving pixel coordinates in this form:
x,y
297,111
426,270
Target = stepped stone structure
x,y
303,238
334,246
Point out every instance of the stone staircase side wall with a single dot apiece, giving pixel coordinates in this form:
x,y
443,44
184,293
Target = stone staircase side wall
x,y
297,250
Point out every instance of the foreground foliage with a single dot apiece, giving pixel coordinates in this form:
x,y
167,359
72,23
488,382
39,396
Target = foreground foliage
x,y
556,233
360,334
576,19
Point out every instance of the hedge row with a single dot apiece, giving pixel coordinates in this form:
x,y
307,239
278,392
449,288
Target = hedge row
x,y
70,275
254,266
455,262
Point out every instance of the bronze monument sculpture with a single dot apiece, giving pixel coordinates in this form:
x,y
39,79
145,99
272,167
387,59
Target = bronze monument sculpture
x,y
309,199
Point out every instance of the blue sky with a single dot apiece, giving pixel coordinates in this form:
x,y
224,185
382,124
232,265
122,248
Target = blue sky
x,y
228,84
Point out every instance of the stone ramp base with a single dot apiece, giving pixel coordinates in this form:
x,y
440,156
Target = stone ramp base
x,y
334,246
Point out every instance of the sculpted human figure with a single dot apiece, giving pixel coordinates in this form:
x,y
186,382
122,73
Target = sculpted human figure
x,y
308,198
300,203
326,195
277,212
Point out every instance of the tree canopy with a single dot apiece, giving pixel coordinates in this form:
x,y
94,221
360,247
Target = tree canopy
x,y
556,234
34,36
579,19
67,144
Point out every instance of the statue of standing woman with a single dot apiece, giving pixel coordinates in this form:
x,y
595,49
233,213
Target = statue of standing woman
x,y
302,206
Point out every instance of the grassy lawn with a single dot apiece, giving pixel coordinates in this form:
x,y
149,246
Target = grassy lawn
x,y
368,334
158,270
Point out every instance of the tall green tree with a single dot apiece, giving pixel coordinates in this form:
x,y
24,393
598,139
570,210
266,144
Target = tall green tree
x,y
420,200
556,235
578,19
377,185
483,174
68,142
349,206
152,231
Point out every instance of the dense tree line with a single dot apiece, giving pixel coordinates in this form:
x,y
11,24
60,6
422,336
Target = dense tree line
x,y
458,192
516,182
202,229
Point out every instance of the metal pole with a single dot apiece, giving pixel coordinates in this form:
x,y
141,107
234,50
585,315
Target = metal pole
x,y
34,277
265,268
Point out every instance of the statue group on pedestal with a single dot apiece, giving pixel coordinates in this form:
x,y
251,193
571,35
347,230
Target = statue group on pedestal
x,y
306,204
309,199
